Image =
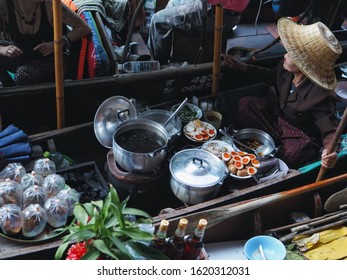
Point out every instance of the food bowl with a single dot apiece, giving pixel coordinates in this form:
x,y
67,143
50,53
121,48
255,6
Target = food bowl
x,y
214,118
264,247
259,137
341,91
188,113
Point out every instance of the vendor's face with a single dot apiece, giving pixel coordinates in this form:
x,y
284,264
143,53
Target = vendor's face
x,y
289,64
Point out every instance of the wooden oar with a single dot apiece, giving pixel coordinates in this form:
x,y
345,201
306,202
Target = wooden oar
x,y
217,215
58,63
288,237
333,143
218,27
310,222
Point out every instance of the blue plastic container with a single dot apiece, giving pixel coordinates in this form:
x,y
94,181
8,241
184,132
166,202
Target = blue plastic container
x,y
273,249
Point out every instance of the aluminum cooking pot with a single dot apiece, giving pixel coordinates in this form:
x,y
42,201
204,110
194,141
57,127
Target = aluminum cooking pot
x,y
196,175
161,116
140,145
255,134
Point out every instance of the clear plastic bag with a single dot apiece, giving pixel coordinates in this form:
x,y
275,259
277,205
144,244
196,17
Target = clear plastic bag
x,y
31,179
34,220
71,196
57,210
14,171
34,195
44,167
53,183
11,192
11,219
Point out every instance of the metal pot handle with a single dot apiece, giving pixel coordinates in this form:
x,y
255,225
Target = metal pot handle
x,y
198,159
123,115
157,151
231,126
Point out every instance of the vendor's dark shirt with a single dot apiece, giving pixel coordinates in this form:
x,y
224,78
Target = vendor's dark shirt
x,y
309,107
27,42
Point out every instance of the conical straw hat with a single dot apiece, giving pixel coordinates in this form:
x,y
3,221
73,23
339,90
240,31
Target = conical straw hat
x,y
314,49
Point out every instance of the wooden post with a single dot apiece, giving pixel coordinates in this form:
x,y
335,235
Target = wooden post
x,y
58,63
218,28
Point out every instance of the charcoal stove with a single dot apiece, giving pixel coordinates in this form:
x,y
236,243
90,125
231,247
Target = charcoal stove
x,y
148,191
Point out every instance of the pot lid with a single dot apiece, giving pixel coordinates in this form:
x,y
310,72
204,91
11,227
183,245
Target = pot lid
x,y
197,168
112,112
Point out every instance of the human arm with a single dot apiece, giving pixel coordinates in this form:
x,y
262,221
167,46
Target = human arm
x,y
327,126
328,161
10,51
253,73
79,28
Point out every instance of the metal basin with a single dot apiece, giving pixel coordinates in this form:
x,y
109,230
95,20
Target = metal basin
x,y
255,134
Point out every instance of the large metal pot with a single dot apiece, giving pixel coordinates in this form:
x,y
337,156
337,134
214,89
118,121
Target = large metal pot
x,y
161,116
254,134
140,145
196,175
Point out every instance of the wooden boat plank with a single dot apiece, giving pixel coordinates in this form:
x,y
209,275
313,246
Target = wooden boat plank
x,y
9,249
236,193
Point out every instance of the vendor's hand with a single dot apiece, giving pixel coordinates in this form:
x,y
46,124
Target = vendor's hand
x,y
45,49
234,62
11,51
328,160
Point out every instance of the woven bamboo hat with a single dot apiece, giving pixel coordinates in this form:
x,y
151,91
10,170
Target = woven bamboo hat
x,y
314,49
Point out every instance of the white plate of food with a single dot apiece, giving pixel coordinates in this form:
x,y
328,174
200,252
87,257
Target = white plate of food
x,y
188,113
217,147
199,131
241,165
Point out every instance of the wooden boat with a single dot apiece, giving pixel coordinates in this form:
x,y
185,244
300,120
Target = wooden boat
x,y
80,143
33,108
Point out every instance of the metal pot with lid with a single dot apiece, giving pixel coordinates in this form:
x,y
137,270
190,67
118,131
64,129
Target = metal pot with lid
x,y
196,175
110,114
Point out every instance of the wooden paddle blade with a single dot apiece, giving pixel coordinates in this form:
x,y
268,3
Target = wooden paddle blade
x,y
335,201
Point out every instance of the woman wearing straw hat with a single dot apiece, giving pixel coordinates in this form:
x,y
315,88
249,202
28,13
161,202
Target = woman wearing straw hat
x,y
300,116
